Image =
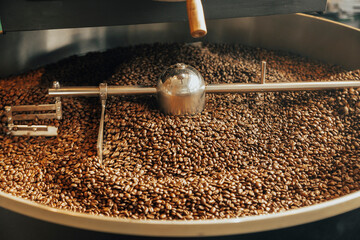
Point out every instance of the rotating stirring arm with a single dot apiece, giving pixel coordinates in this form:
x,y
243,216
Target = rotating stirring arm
x,y
181,108
212,88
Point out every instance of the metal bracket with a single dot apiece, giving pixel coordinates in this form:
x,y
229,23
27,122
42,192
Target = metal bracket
x,y
103,97
33,130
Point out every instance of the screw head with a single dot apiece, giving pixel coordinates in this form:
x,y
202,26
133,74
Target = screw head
x,y
56,84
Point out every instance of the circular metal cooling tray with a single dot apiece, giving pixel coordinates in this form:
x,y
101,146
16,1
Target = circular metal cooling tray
x,y
308,36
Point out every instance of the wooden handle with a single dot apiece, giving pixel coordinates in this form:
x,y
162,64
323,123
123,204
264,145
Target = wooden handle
x,y
196,18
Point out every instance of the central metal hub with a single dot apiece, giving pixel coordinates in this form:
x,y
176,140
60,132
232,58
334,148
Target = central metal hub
x,y
181,90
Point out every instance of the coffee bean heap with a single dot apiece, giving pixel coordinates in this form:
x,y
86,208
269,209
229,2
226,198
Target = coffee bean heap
x,y
245,154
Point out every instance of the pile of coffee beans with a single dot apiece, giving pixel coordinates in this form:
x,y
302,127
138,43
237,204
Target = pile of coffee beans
x,y
245,154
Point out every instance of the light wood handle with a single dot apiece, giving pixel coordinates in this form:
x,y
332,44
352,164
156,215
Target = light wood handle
x,y
196,18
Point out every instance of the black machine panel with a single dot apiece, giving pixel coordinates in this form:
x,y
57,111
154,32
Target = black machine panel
x,y
21,15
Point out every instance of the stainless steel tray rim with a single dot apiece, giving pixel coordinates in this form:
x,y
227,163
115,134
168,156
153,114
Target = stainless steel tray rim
x,y
182,228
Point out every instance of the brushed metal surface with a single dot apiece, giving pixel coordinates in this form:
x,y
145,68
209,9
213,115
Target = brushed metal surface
x,y
308,36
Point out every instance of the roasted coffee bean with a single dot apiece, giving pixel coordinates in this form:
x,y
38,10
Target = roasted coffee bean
x,y
245,154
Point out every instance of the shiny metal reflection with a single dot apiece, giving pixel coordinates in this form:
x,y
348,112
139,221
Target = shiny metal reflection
x,y
181,90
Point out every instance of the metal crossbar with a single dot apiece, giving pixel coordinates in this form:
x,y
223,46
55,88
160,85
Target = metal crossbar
x,y
33,130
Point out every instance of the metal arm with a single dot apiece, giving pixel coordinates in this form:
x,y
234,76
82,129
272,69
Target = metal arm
x,y
103,97
212,88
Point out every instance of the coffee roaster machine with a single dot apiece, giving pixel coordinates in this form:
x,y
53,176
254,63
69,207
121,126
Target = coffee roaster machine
x,y
40,32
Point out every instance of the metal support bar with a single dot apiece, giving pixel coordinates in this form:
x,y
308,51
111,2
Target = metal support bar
x,y
279,87
216,88
32,130
29,108
103,96
95,91
263,72
41,116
